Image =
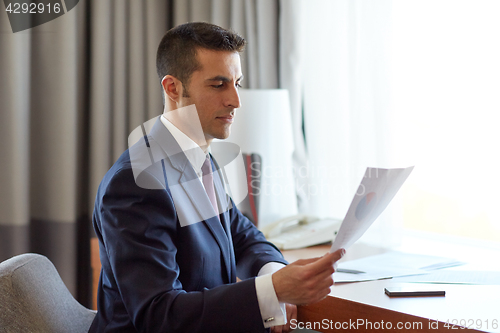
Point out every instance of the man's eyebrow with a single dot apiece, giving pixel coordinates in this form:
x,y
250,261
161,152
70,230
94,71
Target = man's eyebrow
x,y
223,78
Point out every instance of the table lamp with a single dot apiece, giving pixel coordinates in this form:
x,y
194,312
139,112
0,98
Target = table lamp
x,y
263,126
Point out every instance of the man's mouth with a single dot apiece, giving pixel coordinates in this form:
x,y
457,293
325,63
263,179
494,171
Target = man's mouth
x,y
227,119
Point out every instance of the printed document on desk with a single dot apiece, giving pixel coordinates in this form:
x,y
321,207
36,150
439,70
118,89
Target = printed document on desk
x,y
389,265
455,277
376,190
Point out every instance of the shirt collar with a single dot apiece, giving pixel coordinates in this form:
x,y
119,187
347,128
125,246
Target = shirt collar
x,y
195,155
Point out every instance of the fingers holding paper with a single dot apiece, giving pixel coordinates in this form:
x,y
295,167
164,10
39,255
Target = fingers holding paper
x,y
306,281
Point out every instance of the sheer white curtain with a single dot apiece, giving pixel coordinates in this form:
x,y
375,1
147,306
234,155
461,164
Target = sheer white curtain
x,y
292,42
346,100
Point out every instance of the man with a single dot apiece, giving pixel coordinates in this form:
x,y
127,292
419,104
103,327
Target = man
x,y
170,249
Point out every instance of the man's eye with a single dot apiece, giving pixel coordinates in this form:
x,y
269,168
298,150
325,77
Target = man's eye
x,y
238,85
218,85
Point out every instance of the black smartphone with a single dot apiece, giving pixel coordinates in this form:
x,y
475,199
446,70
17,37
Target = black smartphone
x,y
412,291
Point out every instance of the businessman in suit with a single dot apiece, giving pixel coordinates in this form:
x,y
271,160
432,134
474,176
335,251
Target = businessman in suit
x,y
172,242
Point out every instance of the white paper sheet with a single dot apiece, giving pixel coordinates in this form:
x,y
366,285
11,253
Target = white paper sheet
x,y
456,277
391,264
376,190
379,274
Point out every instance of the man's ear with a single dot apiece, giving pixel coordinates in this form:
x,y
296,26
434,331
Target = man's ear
x,y
172,87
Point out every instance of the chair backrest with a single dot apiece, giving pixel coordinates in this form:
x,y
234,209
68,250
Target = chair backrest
x,y
250,205
33,298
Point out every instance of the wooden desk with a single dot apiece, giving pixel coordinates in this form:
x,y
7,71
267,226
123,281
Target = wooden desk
x,y
366,301
366,304
95,263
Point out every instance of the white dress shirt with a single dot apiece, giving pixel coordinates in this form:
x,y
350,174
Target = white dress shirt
x,y
272,311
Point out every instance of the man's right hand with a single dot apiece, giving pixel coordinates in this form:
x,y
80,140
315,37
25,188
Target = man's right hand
x,y
306,281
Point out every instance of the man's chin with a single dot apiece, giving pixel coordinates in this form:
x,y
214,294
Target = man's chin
x,y
222,135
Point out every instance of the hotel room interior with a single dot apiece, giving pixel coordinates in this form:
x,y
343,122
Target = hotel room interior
x,y
331,88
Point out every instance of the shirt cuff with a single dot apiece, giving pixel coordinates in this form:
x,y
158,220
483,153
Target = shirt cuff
x,y
272,311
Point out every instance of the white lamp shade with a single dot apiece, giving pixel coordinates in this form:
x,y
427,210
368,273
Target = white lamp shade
x,y
263,125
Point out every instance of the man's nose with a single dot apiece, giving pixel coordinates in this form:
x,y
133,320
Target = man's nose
x,y
233,98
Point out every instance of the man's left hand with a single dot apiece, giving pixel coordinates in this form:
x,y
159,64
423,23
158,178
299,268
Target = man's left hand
x,y
291,313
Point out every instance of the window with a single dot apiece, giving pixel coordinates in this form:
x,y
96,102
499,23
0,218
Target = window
x,y
446,114
400,83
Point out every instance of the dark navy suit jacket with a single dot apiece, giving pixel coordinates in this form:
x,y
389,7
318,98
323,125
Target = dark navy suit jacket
x,y
159,276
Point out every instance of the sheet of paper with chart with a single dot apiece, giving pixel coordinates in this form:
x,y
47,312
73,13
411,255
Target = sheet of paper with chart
x,y
376,190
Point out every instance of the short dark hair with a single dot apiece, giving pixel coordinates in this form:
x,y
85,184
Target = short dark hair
x,y
176,53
